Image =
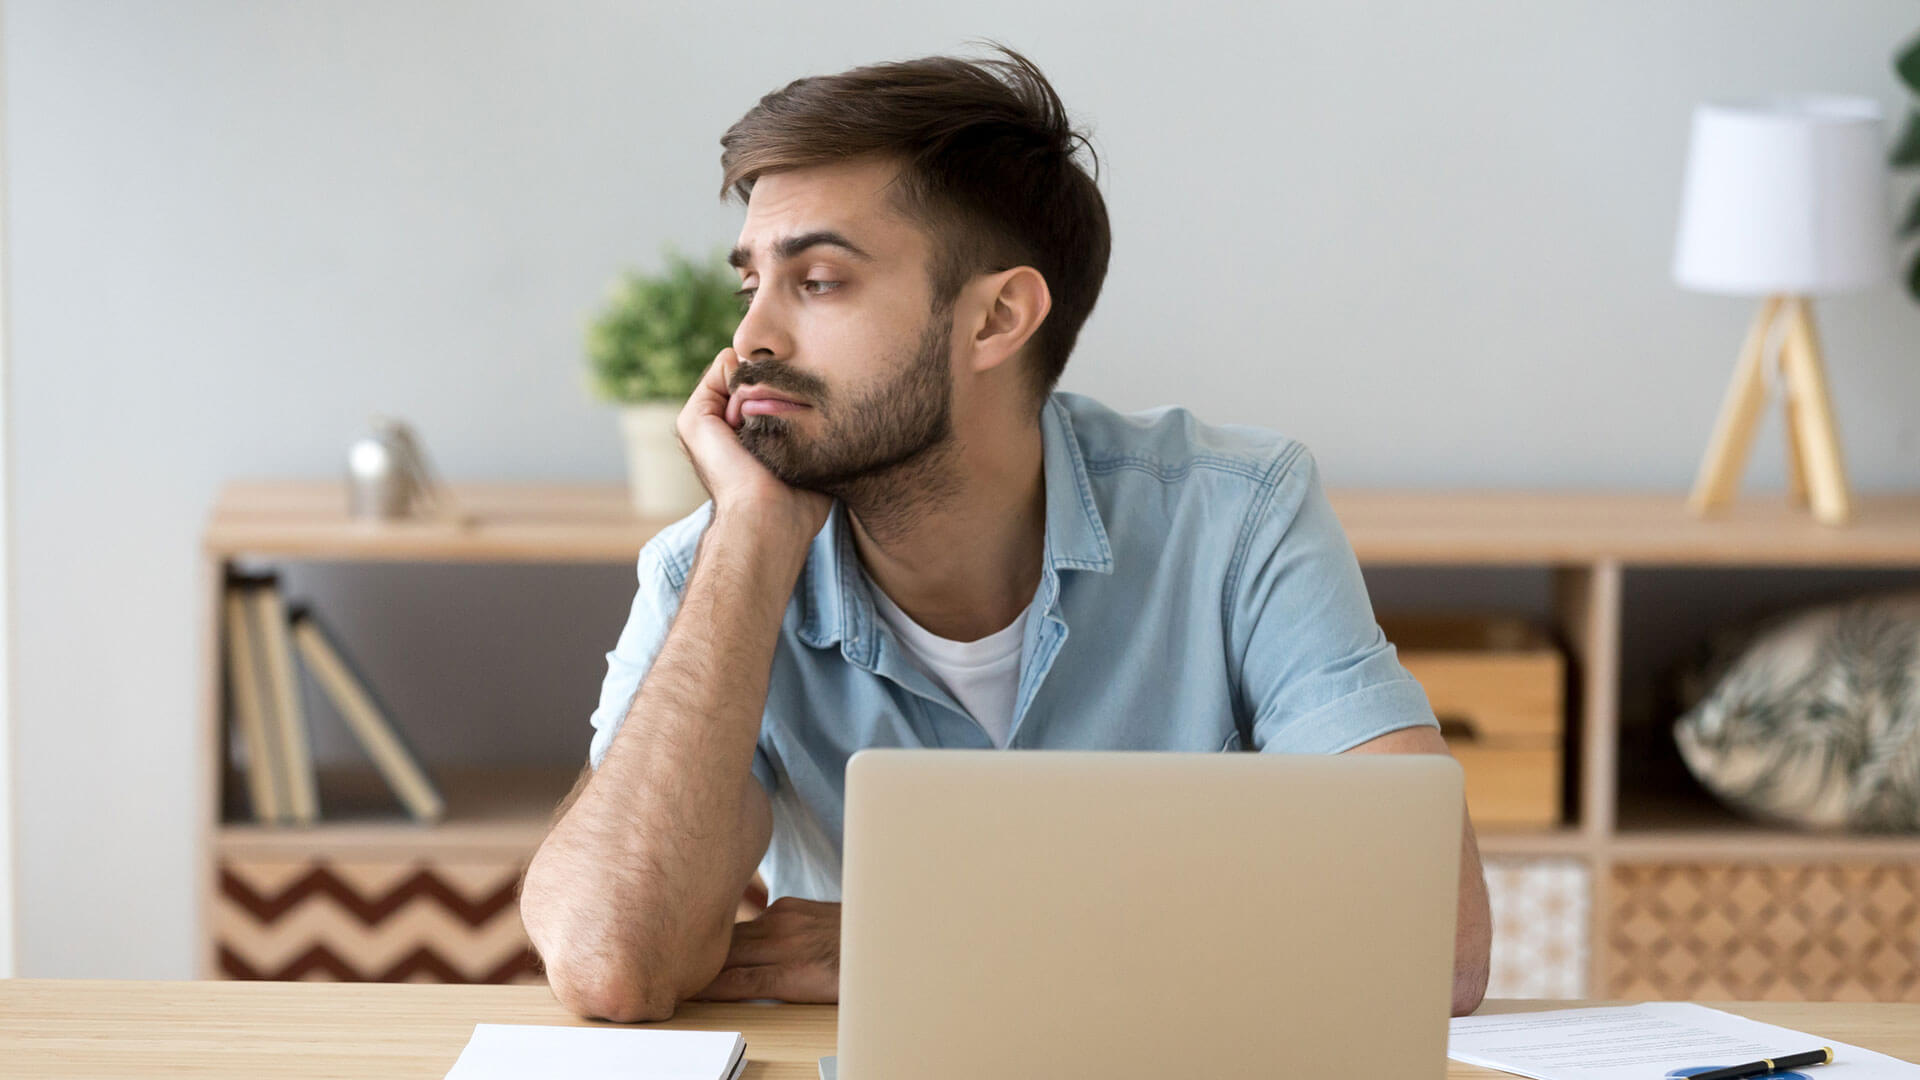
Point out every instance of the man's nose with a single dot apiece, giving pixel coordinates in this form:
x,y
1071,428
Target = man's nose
x,y
761,335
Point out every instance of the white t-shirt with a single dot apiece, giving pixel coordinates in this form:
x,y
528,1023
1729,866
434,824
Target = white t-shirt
x,y
983,676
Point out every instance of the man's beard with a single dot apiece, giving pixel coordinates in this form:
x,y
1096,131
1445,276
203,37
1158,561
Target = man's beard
x,y
900,426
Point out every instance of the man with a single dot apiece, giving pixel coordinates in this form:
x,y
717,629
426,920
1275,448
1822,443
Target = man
x,y
914,541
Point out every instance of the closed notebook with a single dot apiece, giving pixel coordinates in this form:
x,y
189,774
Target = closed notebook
x,y
527,1051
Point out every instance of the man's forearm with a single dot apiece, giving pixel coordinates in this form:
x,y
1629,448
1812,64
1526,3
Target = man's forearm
x,y
630,899
1473,935
1473,926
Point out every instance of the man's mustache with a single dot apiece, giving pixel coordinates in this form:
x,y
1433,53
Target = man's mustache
x,y
776,377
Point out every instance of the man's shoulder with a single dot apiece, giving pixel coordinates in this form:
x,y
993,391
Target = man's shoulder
x,y
1169,441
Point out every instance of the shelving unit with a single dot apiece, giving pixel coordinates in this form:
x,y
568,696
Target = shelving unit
x,y
366,894
1624,843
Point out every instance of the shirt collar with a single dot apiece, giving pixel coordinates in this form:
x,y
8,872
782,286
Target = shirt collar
x,y
835,603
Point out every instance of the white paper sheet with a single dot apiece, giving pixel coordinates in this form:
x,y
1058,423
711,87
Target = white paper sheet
x,y
527,1051
1647,1042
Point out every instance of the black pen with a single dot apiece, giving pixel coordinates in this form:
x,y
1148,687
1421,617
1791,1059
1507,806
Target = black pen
x,y
1822,1056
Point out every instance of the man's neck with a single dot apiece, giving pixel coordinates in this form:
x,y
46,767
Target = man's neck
x,y
956,537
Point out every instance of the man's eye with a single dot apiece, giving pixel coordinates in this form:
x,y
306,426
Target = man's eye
x,y
745,296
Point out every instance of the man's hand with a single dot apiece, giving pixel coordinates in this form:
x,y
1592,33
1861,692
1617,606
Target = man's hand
x,y
708,427
791,952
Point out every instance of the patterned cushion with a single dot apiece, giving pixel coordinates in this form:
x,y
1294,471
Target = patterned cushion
x,y
1814,718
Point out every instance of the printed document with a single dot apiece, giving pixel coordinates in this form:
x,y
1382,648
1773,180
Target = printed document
x,y
1647,1042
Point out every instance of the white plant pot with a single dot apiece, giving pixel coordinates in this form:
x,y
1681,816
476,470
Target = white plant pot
x,y
659,476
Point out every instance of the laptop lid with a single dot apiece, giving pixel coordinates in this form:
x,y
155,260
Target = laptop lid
x,y
1132,914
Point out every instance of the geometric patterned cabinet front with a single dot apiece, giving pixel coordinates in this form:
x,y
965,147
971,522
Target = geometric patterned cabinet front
x,y
1540,927
371,920
1764,931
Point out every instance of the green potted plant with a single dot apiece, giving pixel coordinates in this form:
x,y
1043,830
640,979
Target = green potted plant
x,y
647,348
1906,150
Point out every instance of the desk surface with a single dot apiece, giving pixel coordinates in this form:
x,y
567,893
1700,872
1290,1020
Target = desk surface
x,y
59,1028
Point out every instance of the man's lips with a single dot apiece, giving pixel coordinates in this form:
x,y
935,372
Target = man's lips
x,y
768,406
759,401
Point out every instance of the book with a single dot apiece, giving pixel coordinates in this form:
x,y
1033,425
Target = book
x,y
399,765
516,1051
246,690
288,717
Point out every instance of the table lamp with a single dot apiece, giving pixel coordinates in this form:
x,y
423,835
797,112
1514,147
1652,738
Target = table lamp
x,y
1785,198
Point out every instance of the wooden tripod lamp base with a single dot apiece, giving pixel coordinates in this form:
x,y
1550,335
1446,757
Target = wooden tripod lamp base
x,y
1816,472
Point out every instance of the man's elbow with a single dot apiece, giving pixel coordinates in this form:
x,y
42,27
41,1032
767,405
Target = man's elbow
x,y
589,970
1469,990
593,976
600,990
628,983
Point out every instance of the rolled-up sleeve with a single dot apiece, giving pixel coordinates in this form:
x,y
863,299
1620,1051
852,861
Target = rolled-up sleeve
x,y
1316,673
655,602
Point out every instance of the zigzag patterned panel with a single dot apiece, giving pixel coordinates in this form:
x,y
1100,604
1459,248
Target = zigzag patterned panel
x,y
1765,932
372,921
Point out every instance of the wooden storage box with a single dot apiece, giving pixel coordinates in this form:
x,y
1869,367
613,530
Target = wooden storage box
x,y
368,895
372,918
1497,685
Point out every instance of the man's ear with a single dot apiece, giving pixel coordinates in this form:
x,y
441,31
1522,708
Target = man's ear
x,y
1011,305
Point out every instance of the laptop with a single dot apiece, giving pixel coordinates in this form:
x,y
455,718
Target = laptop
x,y
1129,914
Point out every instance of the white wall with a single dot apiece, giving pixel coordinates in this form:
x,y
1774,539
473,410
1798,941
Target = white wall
x,y
1429,239
7,875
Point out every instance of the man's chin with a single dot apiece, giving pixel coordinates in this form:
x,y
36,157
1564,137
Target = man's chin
x,y
779,448
764,436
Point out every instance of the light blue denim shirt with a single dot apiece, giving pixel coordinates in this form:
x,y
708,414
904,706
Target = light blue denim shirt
x,y
1197,593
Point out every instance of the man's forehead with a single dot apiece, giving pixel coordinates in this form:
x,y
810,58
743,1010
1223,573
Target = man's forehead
x,y
857,183
846,205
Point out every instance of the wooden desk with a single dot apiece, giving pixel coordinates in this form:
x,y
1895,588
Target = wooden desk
x,y
72,1028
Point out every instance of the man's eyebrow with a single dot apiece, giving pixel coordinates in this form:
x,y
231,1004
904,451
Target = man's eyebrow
x,y
742,257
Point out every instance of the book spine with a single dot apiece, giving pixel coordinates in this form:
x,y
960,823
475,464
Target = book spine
x,y
249,708
296,748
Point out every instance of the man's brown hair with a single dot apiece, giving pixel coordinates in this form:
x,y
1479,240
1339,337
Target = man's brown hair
x,y
988,168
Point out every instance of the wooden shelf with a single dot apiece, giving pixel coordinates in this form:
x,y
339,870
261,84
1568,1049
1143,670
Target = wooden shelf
x,y
1693,828
1564,840
495,812
1644,528
307,519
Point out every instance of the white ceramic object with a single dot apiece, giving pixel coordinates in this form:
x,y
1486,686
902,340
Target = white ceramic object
x,y
659,476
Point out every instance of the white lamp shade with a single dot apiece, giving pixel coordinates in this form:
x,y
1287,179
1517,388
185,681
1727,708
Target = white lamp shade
x,y
1785,195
